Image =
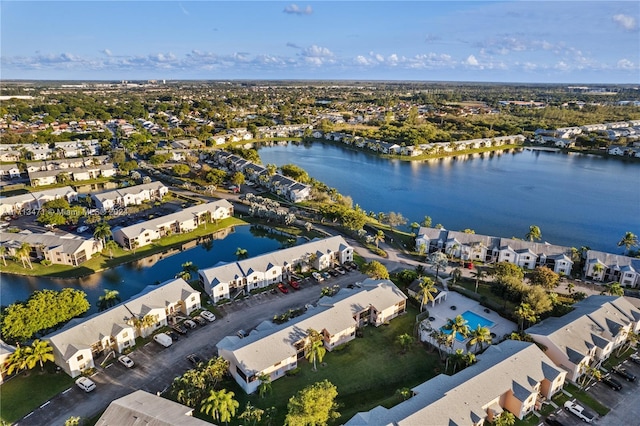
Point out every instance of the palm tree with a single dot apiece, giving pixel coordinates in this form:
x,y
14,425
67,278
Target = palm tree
x,y
479,336
525,313
108,299
379,238
188,268
427,292
439,260
597,269
629,240
265,385
456,359
457,325
221,405
469,358
41,352
241,253
614,289
24,253
589,374
110,246
17,361
3,252
456,274
405,341
632,340
102,232
505,419
479,274
534,233
314,350
251,414
415,226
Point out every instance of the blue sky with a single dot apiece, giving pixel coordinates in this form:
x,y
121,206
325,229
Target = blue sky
x,y
501,41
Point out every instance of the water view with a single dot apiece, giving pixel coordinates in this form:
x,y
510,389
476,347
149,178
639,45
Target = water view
x,y
577,200
131,278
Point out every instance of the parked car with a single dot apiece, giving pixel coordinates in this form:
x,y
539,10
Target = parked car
x,y
174,336
194,359
282,288
635,358
333,273
86,384
208,316
126,361
82,228
180,329
579,411
317,276
198,319
622,372
191,324
340,270
326,275
612,383
294,284
163,339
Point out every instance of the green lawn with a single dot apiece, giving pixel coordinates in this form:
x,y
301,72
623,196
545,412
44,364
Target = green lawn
x,y
587,399
22,394
120,256
367,373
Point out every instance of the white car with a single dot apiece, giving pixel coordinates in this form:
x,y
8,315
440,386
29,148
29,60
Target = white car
x,y
86,384
126,361
82,228
163,339
208,316
317,276
579,411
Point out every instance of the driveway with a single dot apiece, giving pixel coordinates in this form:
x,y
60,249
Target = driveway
x,y
156,366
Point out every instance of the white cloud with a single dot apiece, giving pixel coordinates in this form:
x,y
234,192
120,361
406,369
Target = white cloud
x,y
294,9
625,64
626,22
184,11
107,52
471,60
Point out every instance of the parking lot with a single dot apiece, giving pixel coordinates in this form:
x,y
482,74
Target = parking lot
x,y
156,366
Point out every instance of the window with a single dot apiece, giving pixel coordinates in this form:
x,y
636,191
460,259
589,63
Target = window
x,y
125,334
80,358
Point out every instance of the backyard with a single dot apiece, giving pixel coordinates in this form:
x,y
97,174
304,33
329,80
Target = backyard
x,y
367,372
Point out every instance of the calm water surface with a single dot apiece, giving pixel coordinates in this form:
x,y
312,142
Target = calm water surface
x,y
131,278
576,200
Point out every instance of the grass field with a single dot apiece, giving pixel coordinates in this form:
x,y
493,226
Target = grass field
x,y
367,373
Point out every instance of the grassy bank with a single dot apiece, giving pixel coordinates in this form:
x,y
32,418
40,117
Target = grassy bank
x,y
120,256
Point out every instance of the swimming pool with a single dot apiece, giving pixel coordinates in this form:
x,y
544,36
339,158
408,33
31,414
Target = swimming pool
x,y
473,321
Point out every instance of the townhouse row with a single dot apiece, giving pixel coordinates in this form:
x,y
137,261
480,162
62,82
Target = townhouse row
x,y
146,232
273,350
227,280
279,184
65,249
83,341
128,196
76,174
412,150
33,201
47,151
13,171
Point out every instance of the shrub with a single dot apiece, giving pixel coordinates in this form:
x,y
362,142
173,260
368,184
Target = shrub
x,y
293,372
45,262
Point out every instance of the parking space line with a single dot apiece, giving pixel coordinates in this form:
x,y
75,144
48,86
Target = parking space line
x,y
64,392
45,404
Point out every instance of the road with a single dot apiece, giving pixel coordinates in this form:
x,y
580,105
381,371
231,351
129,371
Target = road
x,y
156,367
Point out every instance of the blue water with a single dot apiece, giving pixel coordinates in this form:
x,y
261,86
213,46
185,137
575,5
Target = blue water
x,y
473,321
576,200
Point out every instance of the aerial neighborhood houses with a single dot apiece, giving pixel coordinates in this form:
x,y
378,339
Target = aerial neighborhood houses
x,y
132,195
607,267
411,150
565,137
470,247
87,172
82,340
282,185
273,350
186,220
35,200
228,280
52,151
513,375
587,335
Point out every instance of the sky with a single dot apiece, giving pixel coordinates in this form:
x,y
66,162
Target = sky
x,y
585,42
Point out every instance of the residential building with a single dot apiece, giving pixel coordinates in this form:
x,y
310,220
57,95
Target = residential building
x,y
128,196
9,171
187,220
588,334
275,349
144,408
607,267
49,177
62,250
514,376
5,352
227,280
78,345
34,200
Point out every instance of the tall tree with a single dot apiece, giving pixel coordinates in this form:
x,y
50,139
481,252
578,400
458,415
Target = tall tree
x,y
439,261
265,385
313,405
18,360
457,325
251,414
479,275
379,237
614,289
534,233
24,254
629,240
505,419
110,246
41,352
479,336
375,270
102,232
220,405
405,341
544,277
108,299
427,292
314,348
524,313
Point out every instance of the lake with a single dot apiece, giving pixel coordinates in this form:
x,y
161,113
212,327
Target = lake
x,y
131,278
576,199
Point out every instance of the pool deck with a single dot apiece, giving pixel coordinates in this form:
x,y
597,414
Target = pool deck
x,y
441,312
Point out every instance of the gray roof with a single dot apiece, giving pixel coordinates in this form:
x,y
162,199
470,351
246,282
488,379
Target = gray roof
x,y
64,191
142,408
121,192
613,261
83,332
66,244
459,399
232,271
272,344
